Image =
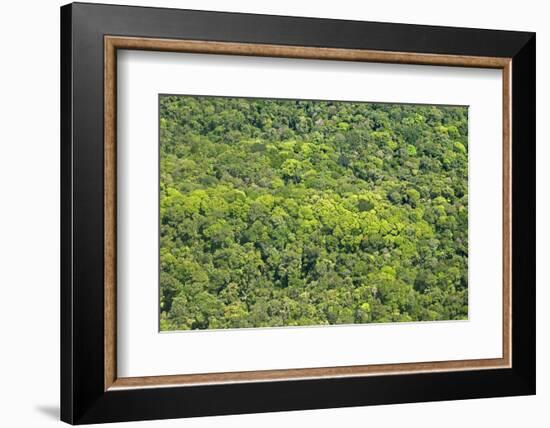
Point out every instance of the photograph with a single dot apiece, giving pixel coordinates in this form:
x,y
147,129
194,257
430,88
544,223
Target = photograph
x,y
283,212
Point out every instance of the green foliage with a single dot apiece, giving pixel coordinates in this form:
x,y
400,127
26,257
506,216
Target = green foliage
x,y
288,213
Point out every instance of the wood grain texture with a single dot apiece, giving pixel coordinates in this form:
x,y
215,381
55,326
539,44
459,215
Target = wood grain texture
x,y
507,213
110,222
296,374
112,43
227,48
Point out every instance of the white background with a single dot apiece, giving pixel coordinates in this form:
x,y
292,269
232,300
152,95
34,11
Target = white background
x,y
142,351
29,215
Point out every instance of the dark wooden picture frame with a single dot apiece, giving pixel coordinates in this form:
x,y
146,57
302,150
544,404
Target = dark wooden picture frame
x,y
90,36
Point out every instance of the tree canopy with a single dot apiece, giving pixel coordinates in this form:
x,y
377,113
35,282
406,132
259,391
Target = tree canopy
x,y
291,213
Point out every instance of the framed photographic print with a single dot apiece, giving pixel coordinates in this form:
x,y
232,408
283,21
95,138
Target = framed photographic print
x,y
265,213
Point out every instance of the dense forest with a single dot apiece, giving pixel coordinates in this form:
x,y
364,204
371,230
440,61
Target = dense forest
x,y
289,213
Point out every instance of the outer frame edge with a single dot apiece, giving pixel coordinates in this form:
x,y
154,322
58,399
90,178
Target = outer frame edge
x,y
66,315
524,215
